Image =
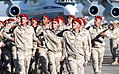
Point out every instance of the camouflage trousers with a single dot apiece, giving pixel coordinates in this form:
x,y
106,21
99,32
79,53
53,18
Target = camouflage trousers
x,y
23,58
54,61
97,56
76,64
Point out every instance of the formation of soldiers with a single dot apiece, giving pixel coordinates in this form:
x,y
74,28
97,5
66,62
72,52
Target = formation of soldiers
x,y
29,46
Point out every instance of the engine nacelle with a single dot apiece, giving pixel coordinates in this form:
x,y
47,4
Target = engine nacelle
x,y
92,10
110,10
13,10
89,8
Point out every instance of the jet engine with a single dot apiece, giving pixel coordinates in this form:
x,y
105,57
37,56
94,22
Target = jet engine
x,y
89,8
110,10
12,9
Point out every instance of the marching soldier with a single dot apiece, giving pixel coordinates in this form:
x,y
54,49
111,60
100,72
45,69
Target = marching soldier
x,y
115,42
88,38
62,25
34,24
18,19
2,44
76,47
97,39
42,54
33,63
86,19
46,22
70,19
14,49
54,46
24,36
7,52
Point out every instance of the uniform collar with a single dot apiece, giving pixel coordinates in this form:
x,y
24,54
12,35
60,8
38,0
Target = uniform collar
x,y
22,27
94,26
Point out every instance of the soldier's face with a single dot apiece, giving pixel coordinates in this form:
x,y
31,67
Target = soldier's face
x,y
18,19
45,20
114,25
23,20
34,23
60,21
86,20
7,22
29,22
70,20
1,25
97,22
75,25
55,25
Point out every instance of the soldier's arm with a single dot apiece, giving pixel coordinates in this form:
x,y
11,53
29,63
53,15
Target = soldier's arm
x,y
39,31
86,53
34,35
2,44
116,35
109,34
87,48
5,34
64,53
36,42
49,34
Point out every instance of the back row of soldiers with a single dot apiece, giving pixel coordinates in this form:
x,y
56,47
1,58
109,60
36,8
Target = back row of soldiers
x,y
54,47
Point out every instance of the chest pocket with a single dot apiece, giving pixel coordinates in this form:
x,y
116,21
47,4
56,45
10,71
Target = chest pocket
x,y
71,38
79,41
20,33
93,33
28,33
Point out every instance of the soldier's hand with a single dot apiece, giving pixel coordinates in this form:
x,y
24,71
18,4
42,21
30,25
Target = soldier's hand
x,y
3,44
1,35
12,39
33,54
62,58
85,63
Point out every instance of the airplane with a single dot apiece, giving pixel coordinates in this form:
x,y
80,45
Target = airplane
x,y
36,8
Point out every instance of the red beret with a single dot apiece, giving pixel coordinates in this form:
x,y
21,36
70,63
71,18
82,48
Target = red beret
x,y
71,16
50,20
1,22
35,19
46,16
60,17
11,19
24,15
81,19
99,17
78,20
55,19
